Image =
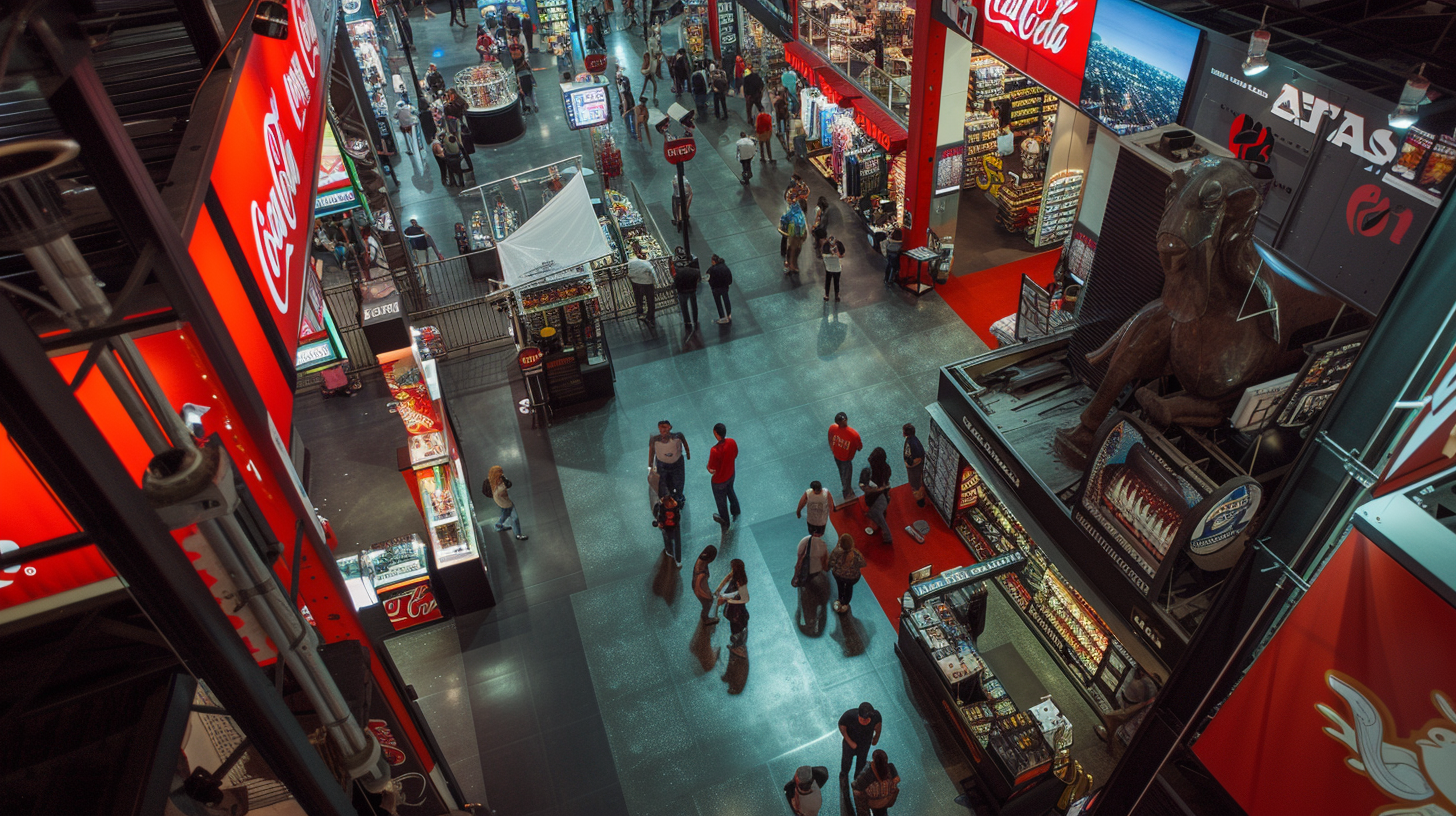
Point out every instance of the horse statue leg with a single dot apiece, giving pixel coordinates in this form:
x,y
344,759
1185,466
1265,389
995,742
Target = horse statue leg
x,y
1138,350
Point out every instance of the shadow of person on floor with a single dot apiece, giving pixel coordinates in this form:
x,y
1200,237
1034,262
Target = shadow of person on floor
x,y
851,635
813,606
846,796
736,674
666,580
702,647
832,333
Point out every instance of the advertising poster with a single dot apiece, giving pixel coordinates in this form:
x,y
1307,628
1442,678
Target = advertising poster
x,y
1350,710
406,381
1138,62
1424,165
1349,230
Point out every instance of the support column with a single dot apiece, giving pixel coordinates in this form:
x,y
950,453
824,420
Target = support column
x,y
938,77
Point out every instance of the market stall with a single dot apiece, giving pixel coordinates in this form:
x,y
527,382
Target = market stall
x,y
492,97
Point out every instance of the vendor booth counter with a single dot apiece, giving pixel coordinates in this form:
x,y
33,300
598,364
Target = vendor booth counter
x,y
493,107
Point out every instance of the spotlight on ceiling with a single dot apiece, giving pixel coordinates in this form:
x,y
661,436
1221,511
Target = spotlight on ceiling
x,y
1407,111
1256,62
271,20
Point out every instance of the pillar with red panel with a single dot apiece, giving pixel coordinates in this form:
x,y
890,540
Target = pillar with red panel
x,y
938,78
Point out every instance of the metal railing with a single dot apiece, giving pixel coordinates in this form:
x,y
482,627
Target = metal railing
x,y
893,92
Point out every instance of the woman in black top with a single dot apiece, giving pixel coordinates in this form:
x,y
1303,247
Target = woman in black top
x,y
733,596
720,277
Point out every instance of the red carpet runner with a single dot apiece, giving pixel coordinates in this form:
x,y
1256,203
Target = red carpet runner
x,y
982,298
888,567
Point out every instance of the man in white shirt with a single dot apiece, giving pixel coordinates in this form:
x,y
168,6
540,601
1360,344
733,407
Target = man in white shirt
x,y
746,148
405,115
666,451
816,500
644,284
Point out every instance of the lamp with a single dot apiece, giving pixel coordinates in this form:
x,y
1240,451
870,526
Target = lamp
x,y
1256,62
1407,110
271,20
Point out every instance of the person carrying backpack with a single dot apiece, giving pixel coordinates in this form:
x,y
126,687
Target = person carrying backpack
x,y
877,786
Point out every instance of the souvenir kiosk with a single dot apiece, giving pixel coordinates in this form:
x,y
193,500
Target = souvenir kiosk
x,y
492,98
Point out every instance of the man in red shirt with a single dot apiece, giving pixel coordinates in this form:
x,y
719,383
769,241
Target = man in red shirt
x,y
763,128
844,443
720,465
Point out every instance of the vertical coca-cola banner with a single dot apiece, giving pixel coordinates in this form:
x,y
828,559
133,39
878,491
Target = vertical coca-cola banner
x,y
1349,708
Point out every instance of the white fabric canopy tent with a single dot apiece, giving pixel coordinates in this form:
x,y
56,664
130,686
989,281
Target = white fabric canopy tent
x,y
565,234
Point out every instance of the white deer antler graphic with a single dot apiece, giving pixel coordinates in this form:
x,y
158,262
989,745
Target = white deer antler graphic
x,y
1396,770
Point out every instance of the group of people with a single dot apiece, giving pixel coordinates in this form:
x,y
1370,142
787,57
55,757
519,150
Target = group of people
x,y
876,785
874,478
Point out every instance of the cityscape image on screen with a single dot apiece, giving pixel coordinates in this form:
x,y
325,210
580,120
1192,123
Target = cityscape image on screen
x,y
1137,66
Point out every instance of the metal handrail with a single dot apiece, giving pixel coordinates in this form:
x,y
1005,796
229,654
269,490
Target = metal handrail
x,y
572,159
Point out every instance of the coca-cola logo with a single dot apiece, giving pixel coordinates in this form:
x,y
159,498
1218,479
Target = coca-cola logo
x,y
275,219
417,605
1030,21
387,742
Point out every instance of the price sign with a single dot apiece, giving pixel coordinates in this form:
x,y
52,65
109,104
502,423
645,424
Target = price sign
x,y
678,151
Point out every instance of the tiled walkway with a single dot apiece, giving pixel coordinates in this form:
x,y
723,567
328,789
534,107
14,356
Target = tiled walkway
x,y
591,689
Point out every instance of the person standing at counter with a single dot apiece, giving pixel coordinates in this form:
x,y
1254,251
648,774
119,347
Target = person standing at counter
x,y
877,787
914,463
733,594
845,564
844,443
665,454
498,486
860,728
1119,726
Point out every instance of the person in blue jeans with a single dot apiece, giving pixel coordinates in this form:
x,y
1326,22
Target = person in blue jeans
x,y
685,279
666,517
498,486
720,465
666,451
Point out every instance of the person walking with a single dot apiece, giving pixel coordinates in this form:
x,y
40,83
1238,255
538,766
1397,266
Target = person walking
x,y
454,153
811,560
678,70
793,228
650,60
816,500
438,151
860,728
733,594
640,114
644,285
528,27
877,787
892,246
914,463
666,517
457,7
407,119
752,92
420,242
498,487
844,443
820,230
527,80
721,460
763,129
698,83
434,80
804,791
833,265
745,149
739,67
666,451
845,564
718,83
628,102
702,590
781,117
874,480
685,280
720,277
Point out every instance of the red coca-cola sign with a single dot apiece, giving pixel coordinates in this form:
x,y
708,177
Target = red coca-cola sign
x,y
678,151
411,606
595,63
530,360
1046,39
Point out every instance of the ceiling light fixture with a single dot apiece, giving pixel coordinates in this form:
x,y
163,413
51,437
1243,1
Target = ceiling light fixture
x,y
1412,96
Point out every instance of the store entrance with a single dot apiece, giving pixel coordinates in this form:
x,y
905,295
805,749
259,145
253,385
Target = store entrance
x,y
1026,156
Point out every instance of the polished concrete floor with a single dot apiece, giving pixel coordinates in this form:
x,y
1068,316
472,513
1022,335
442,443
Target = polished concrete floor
x,y
591,688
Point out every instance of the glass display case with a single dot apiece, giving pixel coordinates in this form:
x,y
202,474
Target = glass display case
x,y
487,86
446,502
402,581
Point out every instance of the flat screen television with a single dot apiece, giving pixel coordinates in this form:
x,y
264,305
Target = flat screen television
x,y
586,106
1137,66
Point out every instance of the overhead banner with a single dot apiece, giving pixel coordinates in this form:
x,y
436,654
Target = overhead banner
x,y
1045,40
251,241
563,235
1350,710
1352,230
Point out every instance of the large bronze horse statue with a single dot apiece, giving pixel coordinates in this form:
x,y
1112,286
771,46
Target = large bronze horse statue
x,y
1199,329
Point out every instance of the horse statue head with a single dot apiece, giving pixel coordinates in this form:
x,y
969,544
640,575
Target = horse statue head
x,y
1205,239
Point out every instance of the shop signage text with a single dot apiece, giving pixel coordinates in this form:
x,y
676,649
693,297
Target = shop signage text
x,y
678,151
530,360
1029,21
1045,39
595,63
1305,109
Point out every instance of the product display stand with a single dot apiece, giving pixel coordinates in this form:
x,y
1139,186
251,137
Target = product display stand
x,y
562,317
922,256
492,96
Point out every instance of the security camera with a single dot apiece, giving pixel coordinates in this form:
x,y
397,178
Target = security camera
x,y
682,116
